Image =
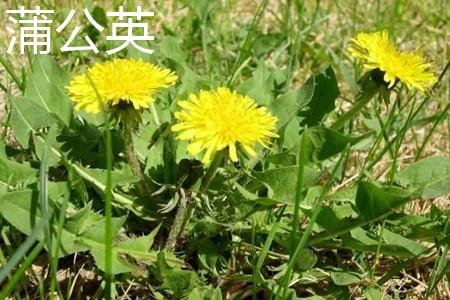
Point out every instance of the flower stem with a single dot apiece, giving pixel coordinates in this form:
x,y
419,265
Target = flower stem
x,y
133,160
211,172
377,253
363,99
302,158
177,226
186,205
108,212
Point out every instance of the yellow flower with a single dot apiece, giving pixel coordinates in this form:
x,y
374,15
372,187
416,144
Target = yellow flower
x,y
120,81
379,52
214,120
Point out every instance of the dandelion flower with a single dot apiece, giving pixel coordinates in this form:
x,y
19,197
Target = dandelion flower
x,y
215,120
379,52
126,82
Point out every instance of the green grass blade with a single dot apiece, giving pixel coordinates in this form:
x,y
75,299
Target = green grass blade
x,y
10,70
284,287
43,198
266,247
243,53
56,245
20,272
23,249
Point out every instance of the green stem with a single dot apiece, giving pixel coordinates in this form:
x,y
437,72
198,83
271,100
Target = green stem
x,y
364,98
45,211
211,172
177,226
185,208
133,160
302,157
377,253
385,128
398,143
108,212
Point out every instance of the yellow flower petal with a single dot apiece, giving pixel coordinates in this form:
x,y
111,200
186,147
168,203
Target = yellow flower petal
x,y
215,120
378,52
233,154
111,82
195,148
249,150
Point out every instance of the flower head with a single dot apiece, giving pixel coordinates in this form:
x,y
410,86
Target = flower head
x,y
379,52
120,81
214,120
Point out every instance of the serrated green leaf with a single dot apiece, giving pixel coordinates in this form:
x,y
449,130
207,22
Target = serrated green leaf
x,y
125,253
20,209
202,8
141,243
363,241
82,231
282,181
325,142
99,184
325,93
45,87
13,174
288,105
260,86
170,47
306,261
26,118
42,146
174,279
205,293
329,220
372,293
344,278
373,200
282,159
430,176
45,100
120,177
395,239
286,109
